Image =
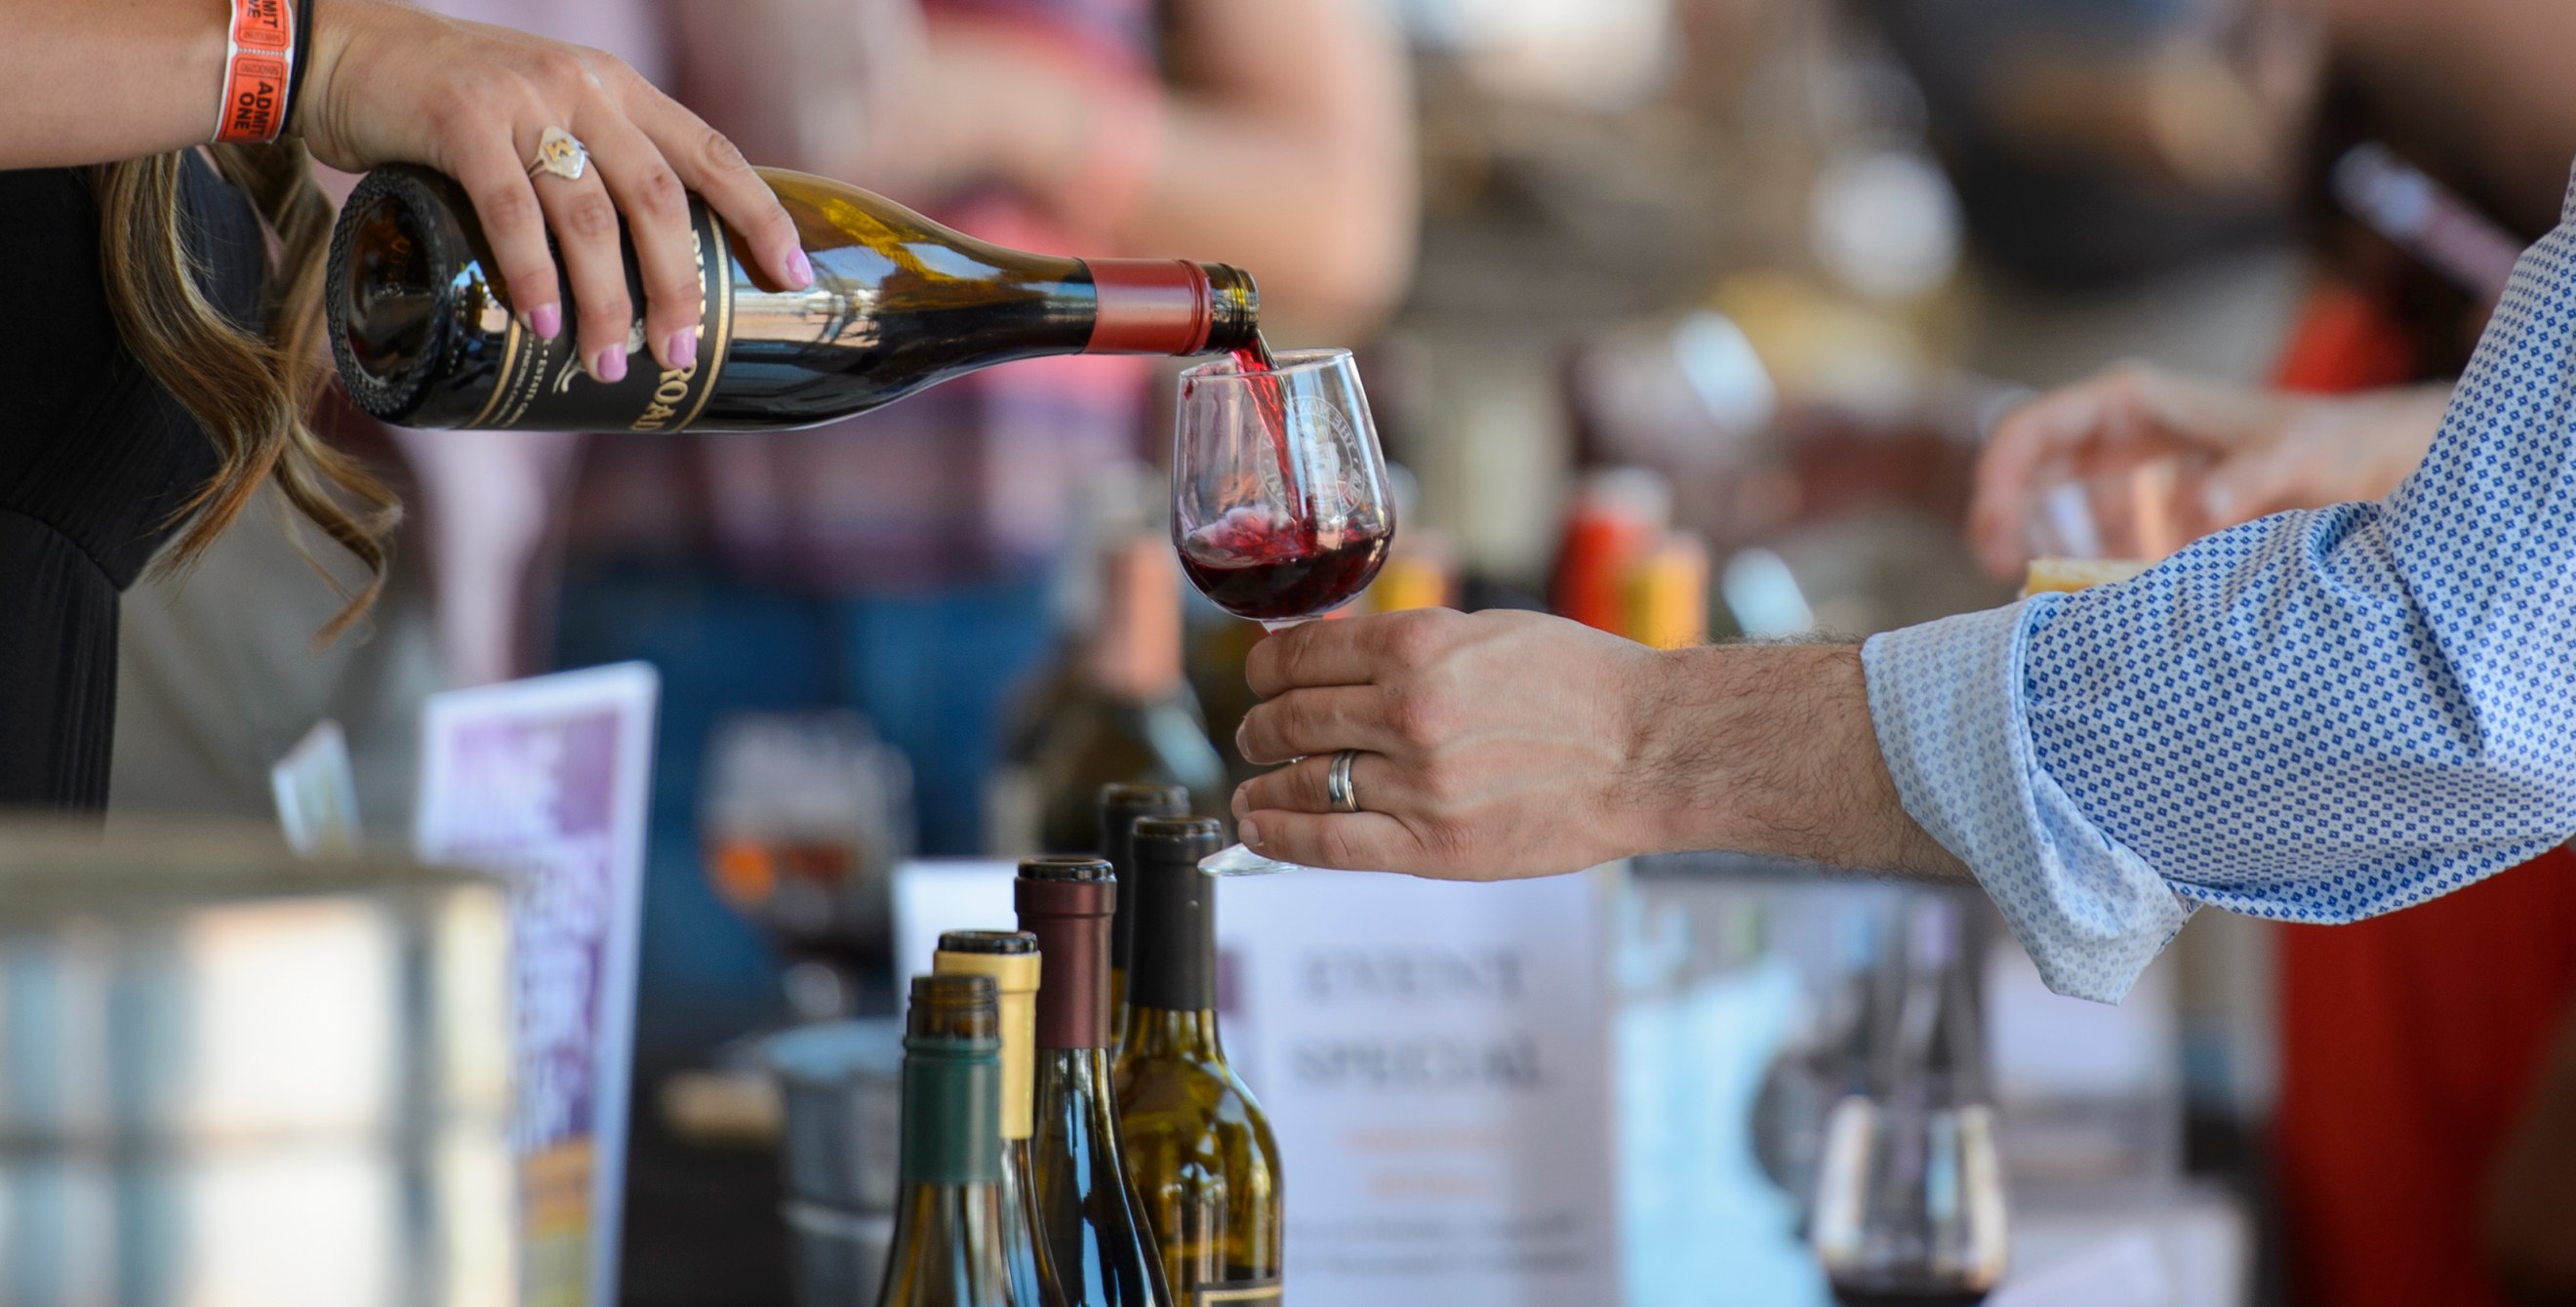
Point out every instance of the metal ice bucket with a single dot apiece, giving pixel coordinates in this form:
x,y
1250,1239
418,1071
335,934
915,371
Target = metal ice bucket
x,y
228,1076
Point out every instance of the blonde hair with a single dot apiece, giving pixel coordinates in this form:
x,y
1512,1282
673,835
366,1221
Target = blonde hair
x,y
252,391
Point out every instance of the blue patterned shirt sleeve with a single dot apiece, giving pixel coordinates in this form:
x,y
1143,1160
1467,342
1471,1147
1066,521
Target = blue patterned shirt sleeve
x,y
2318,716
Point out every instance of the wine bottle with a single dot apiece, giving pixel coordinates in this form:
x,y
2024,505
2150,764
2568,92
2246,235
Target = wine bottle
x,y
425,334
1121,803
1010,958
951,1244
1095,1237
1133,718
1198,1145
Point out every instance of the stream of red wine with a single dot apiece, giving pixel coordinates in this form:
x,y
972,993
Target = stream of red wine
x,y
1270,398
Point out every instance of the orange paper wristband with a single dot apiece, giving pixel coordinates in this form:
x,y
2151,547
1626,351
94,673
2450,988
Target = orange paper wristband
x,y
259,63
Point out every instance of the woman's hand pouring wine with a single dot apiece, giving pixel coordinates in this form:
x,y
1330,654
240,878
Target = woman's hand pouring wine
x,y
394,83
1500,745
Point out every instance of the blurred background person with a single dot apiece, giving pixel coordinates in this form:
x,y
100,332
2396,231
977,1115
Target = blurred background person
x,y
2418,1106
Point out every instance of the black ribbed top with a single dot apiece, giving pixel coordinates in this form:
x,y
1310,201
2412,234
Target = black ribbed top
x,y
94,455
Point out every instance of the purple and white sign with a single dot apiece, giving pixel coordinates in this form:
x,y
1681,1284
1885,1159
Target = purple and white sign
x,y
547,782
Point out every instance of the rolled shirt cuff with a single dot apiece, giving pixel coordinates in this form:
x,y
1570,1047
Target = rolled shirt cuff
x,y
1948,704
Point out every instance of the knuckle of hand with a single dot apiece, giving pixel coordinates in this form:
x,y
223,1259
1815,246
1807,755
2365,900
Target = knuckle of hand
x,y
590,218
1418,717
659,194
558,73
512,208
720,153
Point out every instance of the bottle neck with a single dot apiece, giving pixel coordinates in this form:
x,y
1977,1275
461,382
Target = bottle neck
x,y
1174,966
1171,1035
1073,998
1016,976
952,1090
1170,306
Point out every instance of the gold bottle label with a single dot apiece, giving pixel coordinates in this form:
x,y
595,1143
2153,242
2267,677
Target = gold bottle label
x,y
1266,1292
542,385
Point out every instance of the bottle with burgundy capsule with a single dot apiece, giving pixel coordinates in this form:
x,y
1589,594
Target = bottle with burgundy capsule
x,y
425,334
1096,1238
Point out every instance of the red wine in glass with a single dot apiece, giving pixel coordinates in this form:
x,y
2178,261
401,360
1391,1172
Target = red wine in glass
x,y
1279,490
1274,571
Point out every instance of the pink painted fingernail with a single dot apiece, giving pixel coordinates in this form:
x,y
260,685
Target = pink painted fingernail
x,y
1248,833
800,270
546,320
683,349
611,366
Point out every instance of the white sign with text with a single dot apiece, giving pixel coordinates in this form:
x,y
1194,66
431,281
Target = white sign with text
x,y
1434,1058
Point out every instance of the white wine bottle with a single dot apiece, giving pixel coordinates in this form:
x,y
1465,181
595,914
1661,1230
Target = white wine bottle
x,y
1199,1148
951,1244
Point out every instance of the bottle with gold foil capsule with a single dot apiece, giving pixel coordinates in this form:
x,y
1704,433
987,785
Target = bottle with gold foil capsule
x,y
1097,1240
425,334
952,1247
1199,1147
1667,593
1010,958
1121,803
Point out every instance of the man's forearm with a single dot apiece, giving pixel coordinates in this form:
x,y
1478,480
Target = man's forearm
x,y
1770,749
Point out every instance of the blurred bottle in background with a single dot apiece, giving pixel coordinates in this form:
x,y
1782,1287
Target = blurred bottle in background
x,y
1421,568
804,816
1126,714
1618,514
1829,1055
1120,806
1666,593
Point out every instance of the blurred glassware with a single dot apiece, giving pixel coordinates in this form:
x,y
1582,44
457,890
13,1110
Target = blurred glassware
x,y
1851,1011
841,1084
1764,597
1725,966
1884,220
232,1075
803,816
1909,1205
2117,509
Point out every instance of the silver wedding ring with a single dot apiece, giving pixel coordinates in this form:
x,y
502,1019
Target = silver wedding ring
x,y
558,153
1337,782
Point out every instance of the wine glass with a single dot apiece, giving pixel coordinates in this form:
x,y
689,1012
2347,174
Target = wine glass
x,y
1280,506
1909,1204
1909,1208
